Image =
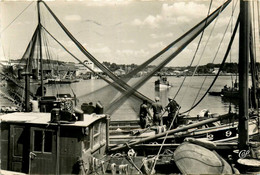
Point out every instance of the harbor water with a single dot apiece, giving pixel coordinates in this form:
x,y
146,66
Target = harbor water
x,y
190,92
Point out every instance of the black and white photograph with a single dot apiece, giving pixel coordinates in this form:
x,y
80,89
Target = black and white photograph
x,y
129,87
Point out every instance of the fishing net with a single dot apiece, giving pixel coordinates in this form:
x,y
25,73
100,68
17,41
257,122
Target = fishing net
x,y
129,91
167,54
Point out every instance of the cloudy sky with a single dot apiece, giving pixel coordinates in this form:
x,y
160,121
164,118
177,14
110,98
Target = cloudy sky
x,y
119,31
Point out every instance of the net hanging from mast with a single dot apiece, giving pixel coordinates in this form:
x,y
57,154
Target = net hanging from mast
x,y
179,45
116,80
110,90
164,57
167,50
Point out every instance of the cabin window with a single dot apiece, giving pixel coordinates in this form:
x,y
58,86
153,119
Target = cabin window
x,y
38,140
96,133
47,141
86,139
103,132
86,142
43,141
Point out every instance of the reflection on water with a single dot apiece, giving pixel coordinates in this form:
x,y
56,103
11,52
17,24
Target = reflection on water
x,y
186,96
233,101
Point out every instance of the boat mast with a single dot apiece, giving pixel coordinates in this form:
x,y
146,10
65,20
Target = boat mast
x,y
243,75
40,44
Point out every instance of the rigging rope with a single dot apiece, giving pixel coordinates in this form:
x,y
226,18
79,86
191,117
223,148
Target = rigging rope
x,y
221,66
195,32
164,139
139,68
137,94
28,58
16,17
95,61
200,60
258,12
157,156
82,49
47,53
254,73
231,28
29,61
213,57
30,45
201,36
142,66
253,26
130,91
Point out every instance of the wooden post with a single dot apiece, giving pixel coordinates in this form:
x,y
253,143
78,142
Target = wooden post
x,y
243,74
27,90
107,131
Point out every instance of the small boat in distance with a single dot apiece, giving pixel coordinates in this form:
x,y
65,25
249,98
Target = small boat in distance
x,y
61,81
230,92
162,83
227,92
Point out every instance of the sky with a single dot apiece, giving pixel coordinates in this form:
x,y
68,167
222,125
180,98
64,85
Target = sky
x,y
119,31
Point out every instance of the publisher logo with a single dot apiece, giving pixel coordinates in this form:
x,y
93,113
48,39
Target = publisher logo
x,y
243,153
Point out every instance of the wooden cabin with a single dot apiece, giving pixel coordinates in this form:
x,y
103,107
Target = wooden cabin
x,y
48,143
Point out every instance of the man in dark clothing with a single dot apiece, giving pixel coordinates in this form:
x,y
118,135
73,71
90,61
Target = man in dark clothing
x,y
39,91
172,108
157,112
144,114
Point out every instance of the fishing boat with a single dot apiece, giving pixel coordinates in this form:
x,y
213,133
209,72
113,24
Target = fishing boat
x,y
67,78
230,92
227,92
61,81
162,83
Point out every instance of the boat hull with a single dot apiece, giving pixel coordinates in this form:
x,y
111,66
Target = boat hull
x,y
195,159
162,86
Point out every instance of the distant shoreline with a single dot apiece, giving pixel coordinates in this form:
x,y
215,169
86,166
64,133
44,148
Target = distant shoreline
x,y
197,75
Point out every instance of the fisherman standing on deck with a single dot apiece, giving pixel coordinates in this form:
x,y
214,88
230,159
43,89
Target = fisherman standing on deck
x,y
144,114
157,112
172,108
39,91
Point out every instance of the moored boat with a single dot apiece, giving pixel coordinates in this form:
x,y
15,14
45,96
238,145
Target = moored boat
x,y
61,81
162,83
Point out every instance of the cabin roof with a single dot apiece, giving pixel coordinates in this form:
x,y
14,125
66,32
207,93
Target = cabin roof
x,y
44,118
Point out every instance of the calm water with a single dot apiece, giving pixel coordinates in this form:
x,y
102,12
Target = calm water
x,y
186,97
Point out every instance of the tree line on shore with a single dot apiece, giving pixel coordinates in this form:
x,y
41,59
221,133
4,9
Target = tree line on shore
x,y
202,69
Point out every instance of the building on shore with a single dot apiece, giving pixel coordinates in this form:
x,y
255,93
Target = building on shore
x,y
86,73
